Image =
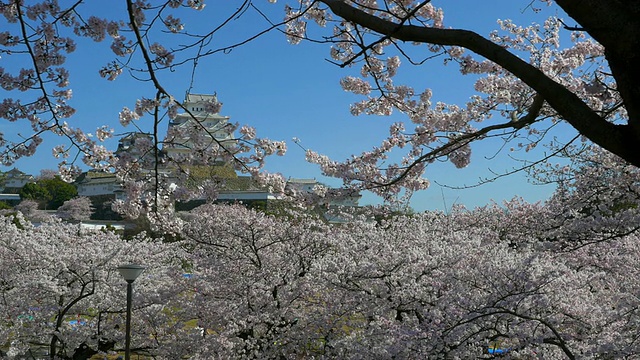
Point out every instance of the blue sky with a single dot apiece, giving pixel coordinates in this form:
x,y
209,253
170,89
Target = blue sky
x,y
288,91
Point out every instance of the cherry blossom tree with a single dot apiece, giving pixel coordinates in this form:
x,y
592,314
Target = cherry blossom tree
x,y
596,201
27,207
425,285
30,209
523,278
556,279
256,292
62,295
76,209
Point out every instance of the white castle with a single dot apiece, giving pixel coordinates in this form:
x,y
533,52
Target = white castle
x,y
200,128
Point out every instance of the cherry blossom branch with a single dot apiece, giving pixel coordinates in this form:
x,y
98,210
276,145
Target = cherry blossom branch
x,y
465,139
566,103
529,165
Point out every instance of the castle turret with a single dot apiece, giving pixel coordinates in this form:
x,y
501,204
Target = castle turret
x,y
198,129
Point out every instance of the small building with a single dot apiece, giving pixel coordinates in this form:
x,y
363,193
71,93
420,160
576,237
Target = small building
x,y
94,183
332,196
303,185
245,196
14,180
343,197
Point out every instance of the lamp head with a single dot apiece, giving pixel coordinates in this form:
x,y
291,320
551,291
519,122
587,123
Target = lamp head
x,y
130,272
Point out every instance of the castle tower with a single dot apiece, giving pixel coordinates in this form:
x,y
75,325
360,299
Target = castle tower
x,y
199,129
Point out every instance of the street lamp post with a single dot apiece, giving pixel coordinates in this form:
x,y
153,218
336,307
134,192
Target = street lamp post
x,y
130,273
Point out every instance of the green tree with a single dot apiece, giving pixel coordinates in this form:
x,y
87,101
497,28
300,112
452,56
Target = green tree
x,y
60,191
37,192
50,193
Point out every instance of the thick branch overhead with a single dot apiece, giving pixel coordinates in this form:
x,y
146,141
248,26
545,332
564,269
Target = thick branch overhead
x,y
615,138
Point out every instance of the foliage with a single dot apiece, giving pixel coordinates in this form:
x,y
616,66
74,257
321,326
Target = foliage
x,y
35,191
60,191
52,192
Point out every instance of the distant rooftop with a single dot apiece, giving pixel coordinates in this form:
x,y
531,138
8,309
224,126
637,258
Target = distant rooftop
x,y
195,98
302,181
